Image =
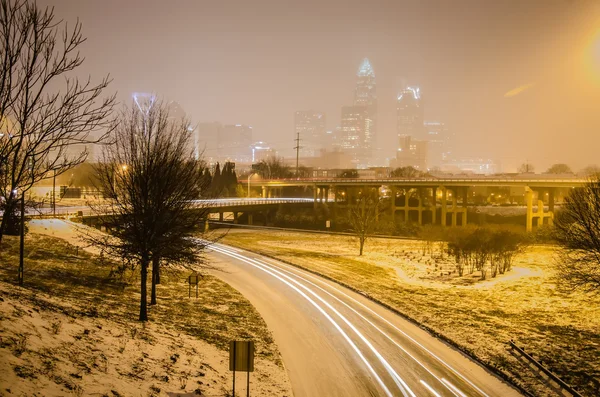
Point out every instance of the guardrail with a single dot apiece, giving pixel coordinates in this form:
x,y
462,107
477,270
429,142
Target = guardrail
x,y
545,370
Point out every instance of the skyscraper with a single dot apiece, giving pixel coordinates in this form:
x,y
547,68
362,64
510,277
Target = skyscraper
x,y
412,147
311,127
439,143
352,135
235,142
410,113
365,95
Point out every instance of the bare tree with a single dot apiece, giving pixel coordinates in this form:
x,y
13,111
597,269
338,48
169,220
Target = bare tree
x,y
577,230
152,181
273,168
526,168
44,110
559,168
407,172
362,216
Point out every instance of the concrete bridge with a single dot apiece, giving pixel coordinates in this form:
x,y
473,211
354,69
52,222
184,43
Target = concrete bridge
x,y
217,208
447,197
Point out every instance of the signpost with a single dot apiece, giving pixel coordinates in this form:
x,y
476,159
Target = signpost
x,y
241,358
194,278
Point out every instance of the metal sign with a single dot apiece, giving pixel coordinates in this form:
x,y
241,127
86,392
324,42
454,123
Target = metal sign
x,y
194,278
241,358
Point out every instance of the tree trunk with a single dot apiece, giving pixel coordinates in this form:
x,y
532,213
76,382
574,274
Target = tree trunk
x,y
362,245
155,279
143,291
22,241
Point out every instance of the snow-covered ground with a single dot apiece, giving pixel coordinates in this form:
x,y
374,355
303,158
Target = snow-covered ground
x,y
71,331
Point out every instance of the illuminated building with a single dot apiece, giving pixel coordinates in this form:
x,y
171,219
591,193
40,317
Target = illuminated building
x,y
412,152
439,143
260,152
412,143
352,136
410,113
365,94
311,127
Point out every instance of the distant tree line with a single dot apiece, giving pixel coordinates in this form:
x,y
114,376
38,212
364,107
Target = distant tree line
x,y
222,182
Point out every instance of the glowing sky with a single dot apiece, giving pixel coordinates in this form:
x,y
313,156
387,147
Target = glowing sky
x,y
258,62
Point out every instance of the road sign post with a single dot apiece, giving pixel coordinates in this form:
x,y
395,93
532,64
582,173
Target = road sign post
x,y
241,358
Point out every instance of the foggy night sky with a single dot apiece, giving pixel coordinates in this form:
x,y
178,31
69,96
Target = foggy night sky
x,y
257,62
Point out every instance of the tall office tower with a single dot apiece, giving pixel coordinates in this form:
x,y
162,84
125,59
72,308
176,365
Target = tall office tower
x,y
235,142
365,94
352,134
412,152
311,126
412,144
410,113
207,140
440,143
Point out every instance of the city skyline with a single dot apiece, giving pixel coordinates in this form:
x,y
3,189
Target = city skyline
x,y
287,67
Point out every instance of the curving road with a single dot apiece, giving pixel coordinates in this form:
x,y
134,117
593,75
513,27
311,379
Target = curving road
x,y
335,342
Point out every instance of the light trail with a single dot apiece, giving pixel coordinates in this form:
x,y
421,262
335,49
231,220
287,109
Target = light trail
x,y
397,379
397,329
436,394
376,327
390,324
322,311
454,388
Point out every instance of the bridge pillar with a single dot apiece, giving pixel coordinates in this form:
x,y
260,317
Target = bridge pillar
x,y
235,217
206,227
444,205
249,219
433,205
394,191
454,205
315,194
420,193
539,214
220,216
264,192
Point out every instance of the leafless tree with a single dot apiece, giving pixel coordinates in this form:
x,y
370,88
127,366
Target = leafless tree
x,y
577,230
273,168
152,182
44,110
362,215
526,168
407,172
559,168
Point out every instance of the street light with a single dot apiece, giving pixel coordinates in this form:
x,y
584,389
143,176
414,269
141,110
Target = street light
x,y
250,176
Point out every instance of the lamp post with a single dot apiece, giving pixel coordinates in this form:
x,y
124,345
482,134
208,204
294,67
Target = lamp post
x,y
250,176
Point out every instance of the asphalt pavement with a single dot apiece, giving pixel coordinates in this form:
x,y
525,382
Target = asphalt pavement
x,y
336,342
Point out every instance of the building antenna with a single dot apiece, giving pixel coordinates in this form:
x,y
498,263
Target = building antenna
x,y
297,147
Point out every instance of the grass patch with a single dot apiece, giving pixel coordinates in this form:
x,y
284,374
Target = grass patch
x,y
55,267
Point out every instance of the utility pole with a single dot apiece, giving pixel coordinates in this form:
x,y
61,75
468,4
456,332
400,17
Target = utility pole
x,y
297,147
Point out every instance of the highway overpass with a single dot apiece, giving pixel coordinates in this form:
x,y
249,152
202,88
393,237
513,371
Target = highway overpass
x,y
443,200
